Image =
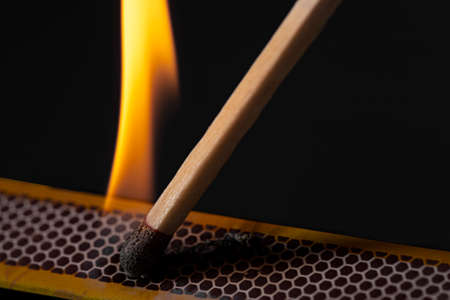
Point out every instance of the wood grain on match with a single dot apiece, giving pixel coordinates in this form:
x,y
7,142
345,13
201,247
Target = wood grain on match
x,y
287,45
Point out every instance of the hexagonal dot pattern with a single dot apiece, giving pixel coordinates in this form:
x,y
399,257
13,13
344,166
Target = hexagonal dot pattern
x,y
209,261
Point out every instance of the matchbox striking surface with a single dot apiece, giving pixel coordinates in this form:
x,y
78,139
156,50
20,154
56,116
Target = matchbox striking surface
x,y
207,260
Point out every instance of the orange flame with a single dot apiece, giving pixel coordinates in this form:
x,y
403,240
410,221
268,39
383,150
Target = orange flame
x,y
148,76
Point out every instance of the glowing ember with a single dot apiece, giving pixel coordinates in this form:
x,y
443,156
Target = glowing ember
x,y
148,76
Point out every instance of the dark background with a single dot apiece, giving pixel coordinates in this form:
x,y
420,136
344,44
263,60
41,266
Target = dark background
x,y
355,140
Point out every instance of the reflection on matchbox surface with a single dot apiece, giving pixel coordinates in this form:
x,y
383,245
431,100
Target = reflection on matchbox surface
x,y
204,260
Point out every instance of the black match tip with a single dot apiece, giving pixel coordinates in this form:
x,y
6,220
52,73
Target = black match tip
x,y
143,250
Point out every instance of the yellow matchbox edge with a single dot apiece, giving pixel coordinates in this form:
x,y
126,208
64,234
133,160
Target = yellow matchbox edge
x,y
42,192
69,286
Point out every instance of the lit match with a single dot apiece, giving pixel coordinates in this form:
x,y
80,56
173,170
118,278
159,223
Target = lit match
x,y
144,247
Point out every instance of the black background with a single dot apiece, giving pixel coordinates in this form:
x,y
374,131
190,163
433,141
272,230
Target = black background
x,y
355,140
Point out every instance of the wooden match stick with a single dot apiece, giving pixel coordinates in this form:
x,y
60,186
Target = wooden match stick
x,y
287,45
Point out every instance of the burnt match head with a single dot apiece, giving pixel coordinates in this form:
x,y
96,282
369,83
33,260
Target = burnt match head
x,y
143,250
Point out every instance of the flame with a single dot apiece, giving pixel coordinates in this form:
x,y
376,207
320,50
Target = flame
x,y
149,77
